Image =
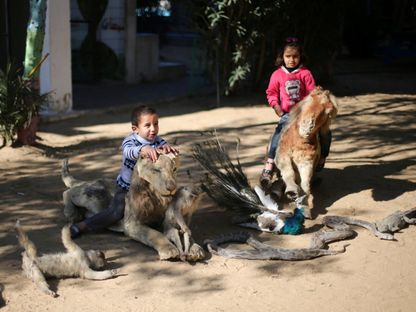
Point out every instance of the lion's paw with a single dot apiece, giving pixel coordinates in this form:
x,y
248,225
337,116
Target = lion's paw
x,y
196,253
168,252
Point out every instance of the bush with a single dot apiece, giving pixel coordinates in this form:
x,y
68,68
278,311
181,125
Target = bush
x,y
19,101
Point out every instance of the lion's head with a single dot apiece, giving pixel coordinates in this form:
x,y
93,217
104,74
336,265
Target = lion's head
x,y
160,174
316,111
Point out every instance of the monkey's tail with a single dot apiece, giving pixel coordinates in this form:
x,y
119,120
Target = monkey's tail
x,y
67,178
25,242
69,244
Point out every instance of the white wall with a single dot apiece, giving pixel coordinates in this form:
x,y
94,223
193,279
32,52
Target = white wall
x,y
110,30
55,74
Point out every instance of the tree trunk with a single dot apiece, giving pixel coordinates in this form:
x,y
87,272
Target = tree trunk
x,y
34,37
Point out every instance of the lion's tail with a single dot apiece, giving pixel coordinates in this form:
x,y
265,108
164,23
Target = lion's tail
x,y
25,242
68,180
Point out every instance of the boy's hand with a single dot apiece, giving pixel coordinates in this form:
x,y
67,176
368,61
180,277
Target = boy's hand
x,y
149,152
166,148
278,110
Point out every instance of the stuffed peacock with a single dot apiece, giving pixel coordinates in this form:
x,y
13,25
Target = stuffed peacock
x,y
229,187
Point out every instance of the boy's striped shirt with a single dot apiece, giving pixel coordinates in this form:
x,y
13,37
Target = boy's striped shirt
x,y
131,147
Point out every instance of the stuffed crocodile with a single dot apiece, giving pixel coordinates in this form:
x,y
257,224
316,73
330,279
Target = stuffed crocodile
x,y
397,221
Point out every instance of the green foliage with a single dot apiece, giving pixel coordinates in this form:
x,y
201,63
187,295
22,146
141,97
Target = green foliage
x,y
18,102
244,36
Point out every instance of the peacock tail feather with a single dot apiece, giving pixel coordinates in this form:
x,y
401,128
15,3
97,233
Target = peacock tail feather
x,y
225,182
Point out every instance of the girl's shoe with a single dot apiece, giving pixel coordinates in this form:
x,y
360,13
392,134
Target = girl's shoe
x,y
267,174
266,177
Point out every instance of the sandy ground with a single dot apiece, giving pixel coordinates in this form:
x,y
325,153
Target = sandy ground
x,y
371,172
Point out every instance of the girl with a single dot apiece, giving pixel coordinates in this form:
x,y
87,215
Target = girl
x,y
288,85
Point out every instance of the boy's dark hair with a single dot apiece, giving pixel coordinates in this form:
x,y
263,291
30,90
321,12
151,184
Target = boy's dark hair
x,y
137,113
292,42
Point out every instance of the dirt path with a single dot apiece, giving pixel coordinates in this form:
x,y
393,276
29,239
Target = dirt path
x,y
370,173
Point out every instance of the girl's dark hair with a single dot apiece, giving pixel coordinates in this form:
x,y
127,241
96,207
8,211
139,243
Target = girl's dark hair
x,y
137,113
292,42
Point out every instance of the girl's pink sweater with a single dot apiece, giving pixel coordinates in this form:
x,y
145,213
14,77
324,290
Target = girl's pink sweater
x,y
286,89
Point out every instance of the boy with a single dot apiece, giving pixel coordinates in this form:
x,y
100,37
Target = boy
x,y
143,141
